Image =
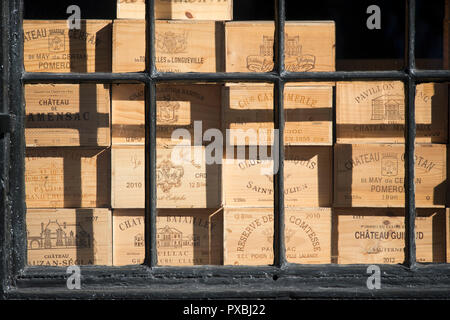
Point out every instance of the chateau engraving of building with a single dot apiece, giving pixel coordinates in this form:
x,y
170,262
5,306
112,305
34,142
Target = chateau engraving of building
x,y
295,61
172,238
55,235
388,107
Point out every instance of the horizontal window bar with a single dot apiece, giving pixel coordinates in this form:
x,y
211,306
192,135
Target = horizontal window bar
x,y
227,271
102,77
419,75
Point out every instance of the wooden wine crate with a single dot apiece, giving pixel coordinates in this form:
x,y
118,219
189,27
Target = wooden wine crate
x,y
180,10
248,180
67,115
185,237
50,46
177,107
309,46
184,180
374,112
248,236
248,114
67,177
372,175
375,235
68,237
180,46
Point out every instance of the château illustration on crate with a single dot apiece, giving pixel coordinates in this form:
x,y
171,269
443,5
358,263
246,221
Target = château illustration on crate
x,y
309,46
377,235
372,175
68,237
248,236
184,237
50,46
373,112
248,114
248,179
180,46
179,10
67,177
178,106
59,115
183,177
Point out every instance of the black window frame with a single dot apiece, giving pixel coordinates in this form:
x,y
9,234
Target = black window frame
x,y
280,280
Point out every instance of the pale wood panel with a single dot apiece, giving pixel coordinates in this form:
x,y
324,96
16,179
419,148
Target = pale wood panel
x,y
373,112
372,175
67,237
184,180
67,177
181,46
248,236
49,46
248,181
187,10
185,237
378,235
177,107
309,46
67,115
308,115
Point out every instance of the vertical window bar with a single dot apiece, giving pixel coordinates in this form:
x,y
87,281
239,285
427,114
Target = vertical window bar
x,y
151,258
278,182
410,135
17,138
4,148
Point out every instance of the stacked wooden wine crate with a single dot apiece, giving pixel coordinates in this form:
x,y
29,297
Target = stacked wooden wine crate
x,y
369,183
189,38
85,156
248,191
67,165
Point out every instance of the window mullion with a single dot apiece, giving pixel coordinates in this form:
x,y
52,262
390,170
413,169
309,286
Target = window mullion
x,y
410,134
151,258
278,153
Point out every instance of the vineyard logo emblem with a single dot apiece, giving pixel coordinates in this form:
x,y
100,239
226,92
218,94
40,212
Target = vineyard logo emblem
x,y
268,235
168,175
172,238
389,165
295,61
170,42
56,41
388,107
55,235
139,240
167,111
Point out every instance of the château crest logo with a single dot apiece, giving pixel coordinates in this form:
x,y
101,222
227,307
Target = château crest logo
x,y
168,175
167,111
295,61
388,107
171,42
389,165
56,41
